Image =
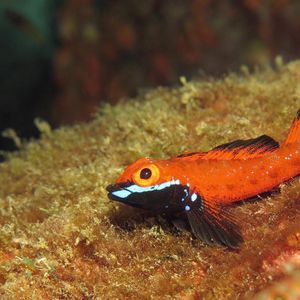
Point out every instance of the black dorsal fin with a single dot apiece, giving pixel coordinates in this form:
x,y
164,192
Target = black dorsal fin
x,y
243,149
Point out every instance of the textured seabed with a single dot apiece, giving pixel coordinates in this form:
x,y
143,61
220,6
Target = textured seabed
x,y
61,238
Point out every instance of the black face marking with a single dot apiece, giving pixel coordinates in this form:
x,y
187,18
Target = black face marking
x,y
145,173
169,197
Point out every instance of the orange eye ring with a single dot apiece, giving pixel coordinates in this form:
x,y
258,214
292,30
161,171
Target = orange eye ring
x,y
146,176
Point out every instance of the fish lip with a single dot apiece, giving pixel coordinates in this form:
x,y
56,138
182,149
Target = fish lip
x,y
111,188
118,186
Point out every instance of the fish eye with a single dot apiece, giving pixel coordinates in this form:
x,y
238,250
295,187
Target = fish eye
x,y
145,173
146,176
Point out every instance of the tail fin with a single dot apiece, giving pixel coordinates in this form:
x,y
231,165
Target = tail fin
x,y
294,132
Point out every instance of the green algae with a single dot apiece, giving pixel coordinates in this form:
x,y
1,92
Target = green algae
x,y
61,238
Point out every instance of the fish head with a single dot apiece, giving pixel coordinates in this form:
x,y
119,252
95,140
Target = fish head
x,y
148,184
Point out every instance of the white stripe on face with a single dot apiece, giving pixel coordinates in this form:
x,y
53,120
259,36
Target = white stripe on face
x,y
121,194
139,189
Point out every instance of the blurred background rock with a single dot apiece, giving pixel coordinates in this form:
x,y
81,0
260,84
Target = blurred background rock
x,y
28,45
60,59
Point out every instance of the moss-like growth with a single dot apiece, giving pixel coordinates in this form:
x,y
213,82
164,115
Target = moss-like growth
x,y
61,238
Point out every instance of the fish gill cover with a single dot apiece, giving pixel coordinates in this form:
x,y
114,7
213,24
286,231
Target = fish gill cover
x,y
61,238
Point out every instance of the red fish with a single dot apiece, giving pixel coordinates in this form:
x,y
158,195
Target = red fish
x,y
202,184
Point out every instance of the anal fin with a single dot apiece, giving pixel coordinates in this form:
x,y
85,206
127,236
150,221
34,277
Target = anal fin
x,y
214,226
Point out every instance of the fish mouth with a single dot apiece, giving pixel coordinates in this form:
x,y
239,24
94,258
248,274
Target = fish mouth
x,y
118,191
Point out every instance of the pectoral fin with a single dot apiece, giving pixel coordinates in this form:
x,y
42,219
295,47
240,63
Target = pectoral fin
x,y
180,224
214,226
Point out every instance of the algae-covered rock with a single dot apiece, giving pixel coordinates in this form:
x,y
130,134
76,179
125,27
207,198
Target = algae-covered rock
x,y
61,238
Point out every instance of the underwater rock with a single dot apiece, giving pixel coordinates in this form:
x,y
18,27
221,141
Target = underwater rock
x,y
62,238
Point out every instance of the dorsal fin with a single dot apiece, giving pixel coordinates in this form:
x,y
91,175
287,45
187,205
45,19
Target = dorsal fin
x,y
190,155
243,149
239,149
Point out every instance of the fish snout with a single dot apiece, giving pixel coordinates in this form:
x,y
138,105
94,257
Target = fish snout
x,y
112,190
119,191
118,186
111,187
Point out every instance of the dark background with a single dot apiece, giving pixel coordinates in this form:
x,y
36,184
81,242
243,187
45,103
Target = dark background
x,y
60,59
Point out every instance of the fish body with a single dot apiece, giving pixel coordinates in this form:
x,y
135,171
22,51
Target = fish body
x,y
202,184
